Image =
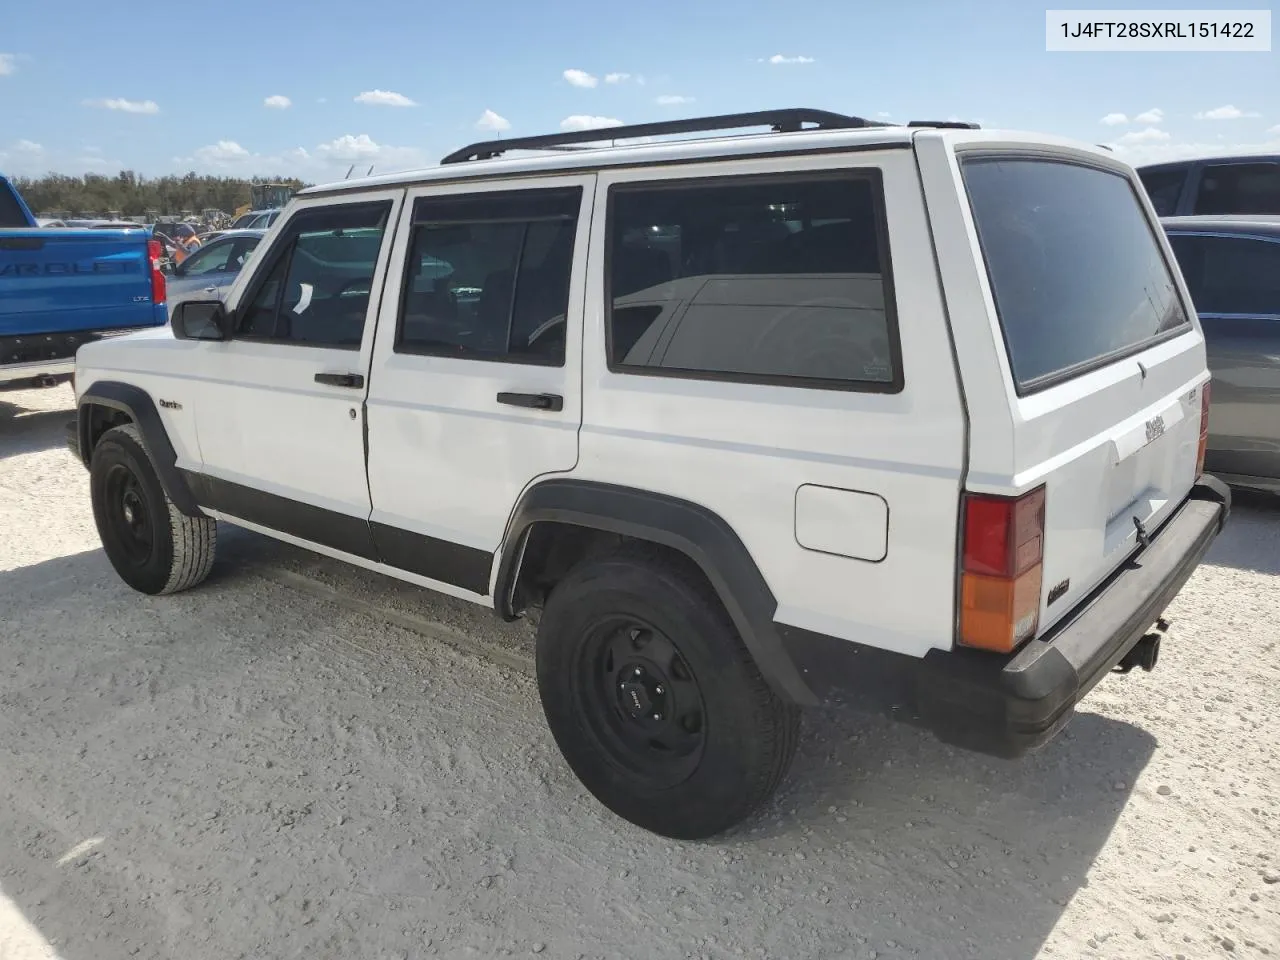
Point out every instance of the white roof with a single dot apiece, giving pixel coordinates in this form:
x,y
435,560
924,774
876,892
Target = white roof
x,y
692,149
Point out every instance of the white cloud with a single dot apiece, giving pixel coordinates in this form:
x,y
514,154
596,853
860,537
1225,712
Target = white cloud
x,y
125,106
617,77
779,58
583,122
672,100
362,149
1148,135
8,64
1154,115
348,148
580,78
1227,112
1153,152
384,98
1274,131
493,122
278,102
28,146
222,152
883,113
1114,119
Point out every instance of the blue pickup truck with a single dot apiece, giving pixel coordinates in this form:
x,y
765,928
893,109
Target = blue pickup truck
x,y
60,288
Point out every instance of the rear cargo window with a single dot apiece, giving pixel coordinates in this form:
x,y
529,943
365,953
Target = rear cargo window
x,y
11,215
1077,274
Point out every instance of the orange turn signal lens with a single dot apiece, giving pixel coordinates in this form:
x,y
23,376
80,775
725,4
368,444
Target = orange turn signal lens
x,y
1204,430
998,613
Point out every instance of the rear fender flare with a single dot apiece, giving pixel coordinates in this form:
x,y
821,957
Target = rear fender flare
x,y
695,531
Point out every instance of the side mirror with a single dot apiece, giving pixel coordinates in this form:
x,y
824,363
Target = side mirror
x,y
201,320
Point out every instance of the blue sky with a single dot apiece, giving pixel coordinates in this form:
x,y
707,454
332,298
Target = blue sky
x,y
85,91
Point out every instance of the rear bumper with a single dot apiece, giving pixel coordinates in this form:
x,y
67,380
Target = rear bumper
x,y
1009,705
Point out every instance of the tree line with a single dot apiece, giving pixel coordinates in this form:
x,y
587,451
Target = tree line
x,y
134,195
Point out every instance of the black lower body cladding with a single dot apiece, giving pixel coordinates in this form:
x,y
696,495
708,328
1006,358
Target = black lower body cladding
x,y
1009,705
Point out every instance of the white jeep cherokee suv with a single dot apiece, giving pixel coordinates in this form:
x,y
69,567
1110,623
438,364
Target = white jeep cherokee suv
x,y
917,409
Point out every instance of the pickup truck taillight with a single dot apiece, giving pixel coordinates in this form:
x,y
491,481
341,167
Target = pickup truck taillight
x,y
1000,576
155,252
1204,430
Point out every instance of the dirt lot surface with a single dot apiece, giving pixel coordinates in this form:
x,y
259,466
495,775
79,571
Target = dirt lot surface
x,y
301,760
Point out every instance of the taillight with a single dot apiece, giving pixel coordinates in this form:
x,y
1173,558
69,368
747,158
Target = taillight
x,y
1000,575
159,290
1204,429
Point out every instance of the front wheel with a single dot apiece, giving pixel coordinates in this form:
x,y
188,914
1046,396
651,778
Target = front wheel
x,y
153,546
654,700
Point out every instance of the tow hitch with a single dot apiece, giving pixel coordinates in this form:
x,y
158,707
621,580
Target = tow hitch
x,y
1145,652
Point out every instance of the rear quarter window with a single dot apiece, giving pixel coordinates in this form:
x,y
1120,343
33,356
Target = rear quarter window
x,y
1076,272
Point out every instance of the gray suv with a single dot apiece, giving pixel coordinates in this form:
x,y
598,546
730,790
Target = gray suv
x,y
1232,268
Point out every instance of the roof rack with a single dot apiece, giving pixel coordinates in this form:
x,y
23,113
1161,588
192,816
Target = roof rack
x,y
782,121
945,124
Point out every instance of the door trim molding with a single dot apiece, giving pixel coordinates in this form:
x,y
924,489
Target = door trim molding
x,y
456,564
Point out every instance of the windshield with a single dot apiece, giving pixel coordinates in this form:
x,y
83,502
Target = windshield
x,y
1076,271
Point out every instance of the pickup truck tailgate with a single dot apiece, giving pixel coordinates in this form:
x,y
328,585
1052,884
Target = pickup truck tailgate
x,y
55,281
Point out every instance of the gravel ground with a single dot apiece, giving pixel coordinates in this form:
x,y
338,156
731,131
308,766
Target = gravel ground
x,y
302,760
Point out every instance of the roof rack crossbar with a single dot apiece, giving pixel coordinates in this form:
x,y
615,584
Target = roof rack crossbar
x,y
782,121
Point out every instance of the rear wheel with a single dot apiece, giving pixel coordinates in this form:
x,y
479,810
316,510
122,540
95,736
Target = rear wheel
x,y
654,700
153,546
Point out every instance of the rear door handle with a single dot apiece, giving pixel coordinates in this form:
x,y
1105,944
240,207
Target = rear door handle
x,y
535,401
353,380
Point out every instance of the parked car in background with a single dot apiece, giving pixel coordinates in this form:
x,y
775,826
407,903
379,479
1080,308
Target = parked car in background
x,y
1232,268
1214,186
210,271
62,288
51,224
256,219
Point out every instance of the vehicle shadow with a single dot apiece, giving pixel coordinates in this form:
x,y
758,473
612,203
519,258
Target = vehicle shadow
x,y
1248,542
24,430
144,721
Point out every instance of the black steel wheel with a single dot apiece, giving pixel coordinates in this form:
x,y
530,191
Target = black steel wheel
x,y
126,514
654,700
152,546
642,700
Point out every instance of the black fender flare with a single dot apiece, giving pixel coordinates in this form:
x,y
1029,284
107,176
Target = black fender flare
x,y
137,404
699,533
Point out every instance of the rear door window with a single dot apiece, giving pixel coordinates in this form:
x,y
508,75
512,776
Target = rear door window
x,y
1230,275
1076,271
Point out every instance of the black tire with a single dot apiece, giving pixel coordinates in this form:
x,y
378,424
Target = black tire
x,y
153,546
633,738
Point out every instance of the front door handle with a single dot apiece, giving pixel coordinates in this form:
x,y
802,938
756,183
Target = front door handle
x,y
353,380
535,401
